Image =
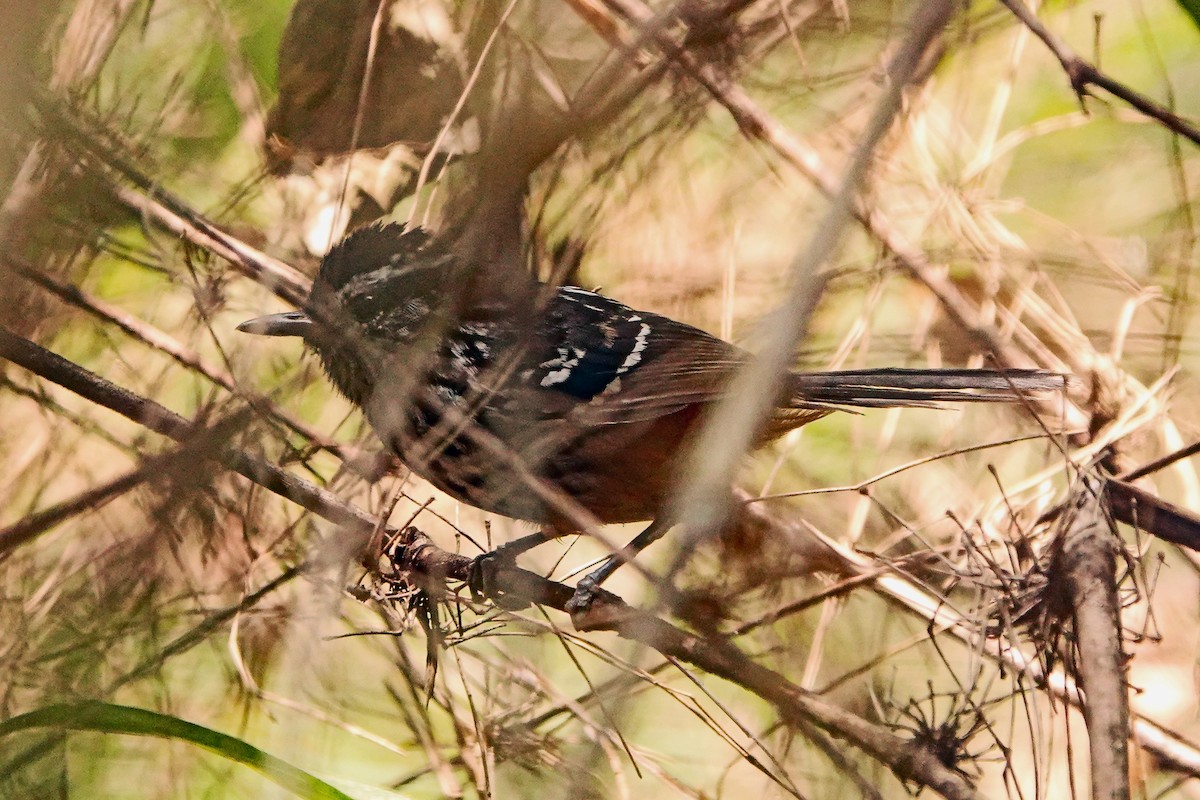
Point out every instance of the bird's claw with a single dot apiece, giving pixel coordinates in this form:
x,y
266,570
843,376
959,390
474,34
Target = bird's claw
x,y
593,609
483,583
585,594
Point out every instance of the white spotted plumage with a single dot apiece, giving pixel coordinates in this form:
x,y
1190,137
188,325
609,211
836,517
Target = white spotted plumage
x,y
568,358
635,355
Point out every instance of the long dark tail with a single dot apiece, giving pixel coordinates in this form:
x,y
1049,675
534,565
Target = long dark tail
x,y
881,388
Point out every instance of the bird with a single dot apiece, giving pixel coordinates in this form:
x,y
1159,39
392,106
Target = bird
x,y
555,386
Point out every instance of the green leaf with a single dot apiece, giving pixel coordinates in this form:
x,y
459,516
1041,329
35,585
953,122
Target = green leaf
x,y
110,718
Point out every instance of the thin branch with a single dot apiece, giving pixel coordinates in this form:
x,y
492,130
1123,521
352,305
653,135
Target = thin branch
x,y
1161,463
758,125
1172,750
172,214
1139,508
703,506
431,566
29,528
205,628
158,339
161,420
1083,74
1144,510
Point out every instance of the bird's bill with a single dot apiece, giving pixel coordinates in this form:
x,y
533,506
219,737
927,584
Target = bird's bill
x,y
289,323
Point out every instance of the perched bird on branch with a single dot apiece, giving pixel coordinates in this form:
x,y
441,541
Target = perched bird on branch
x,y
529,401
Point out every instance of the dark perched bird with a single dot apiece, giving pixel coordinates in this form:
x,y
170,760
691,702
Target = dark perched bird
x,y
570,390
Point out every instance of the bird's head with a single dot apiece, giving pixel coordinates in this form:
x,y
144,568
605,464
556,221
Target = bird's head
x,y
376,292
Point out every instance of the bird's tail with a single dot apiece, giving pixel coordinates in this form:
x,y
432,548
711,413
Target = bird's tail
x,y
882,388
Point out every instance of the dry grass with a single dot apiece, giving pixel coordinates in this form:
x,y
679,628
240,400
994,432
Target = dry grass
x,y
901,566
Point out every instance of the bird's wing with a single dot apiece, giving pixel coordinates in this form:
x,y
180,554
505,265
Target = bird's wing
x,y
604,363
612,364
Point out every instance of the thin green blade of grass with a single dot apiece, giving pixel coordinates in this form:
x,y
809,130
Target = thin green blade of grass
x,y
110,718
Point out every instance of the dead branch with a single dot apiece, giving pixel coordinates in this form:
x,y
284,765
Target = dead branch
x,y
1163,519
757,124
1172,750
1083,74
734,424
154,203
163,421
1145,511
433,566
715,655
1088,561
197,446
161,341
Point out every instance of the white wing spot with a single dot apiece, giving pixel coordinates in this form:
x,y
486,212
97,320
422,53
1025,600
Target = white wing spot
x,y
557,376
462,360
565,363
448,394
631,360
635,355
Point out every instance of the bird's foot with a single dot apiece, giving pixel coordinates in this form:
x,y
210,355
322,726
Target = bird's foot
x,y
483,576
585,594
484,583
588,590
592,608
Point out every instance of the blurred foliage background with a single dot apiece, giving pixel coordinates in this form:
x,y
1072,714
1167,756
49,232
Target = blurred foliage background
x,y
1069,225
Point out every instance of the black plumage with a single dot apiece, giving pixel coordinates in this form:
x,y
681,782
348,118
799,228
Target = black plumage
x,y
589,395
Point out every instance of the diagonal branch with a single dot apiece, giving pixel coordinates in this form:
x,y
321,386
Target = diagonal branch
x,y
432,566
1083,75
163,421
173,214
1173,751
756,124
703,506
158,339
197,446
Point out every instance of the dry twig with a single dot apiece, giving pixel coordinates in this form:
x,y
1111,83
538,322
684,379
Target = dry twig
x,y
433,566
1083,75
